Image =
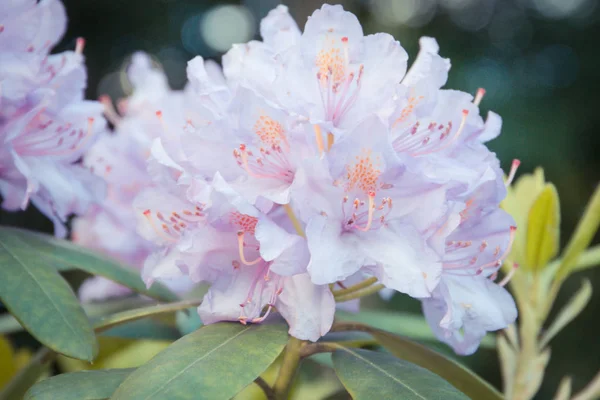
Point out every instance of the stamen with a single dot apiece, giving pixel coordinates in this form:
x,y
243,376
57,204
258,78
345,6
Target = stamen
x,y
241,251
80,44
479,96
371,206
159,232
498,261
83,140
461,127
509,276
513,171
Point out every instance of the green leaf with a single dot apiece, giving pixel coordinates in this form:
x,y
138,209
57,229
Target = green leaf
x,y
571,310
28,375
65,252
508,362
543,225
405,324
83,385
43,301
588,259
370,375
458,375
8,323
215,362
138,313
584,233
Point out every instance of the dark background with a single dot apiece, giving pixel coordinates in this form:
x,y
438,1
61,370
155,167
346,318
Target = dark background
x,y
537,59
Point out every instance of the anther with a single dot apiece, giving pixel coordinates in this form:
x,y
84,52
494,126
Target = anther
x,y
479,96
513,170
79,45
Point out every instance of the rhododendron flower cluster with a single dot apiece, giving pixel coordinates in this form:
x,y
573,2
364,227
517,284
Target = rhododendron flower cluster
x,y
314,159
311,162
45,125
120,160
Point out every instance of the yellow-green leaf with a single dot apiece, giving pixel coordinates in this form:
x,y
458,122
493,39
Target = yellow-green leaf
x,y
84,385
584,233
543,225
28,375
519,199
568,312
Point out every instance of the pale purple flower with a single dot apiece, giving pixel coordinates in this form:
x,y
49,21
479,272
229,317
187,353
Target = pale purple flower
x,y
364,211
467,303
331,74
120,159
45,125
314,159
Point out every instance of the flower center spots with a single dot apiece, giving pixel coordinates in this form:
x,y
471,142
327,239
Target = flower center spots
x,y
269,131
408,110
271,160
332,62
339,85
363,176
244,222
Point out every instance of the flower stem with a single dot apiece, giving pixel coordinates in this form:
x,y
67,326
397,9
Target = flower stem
x,y
359,293
289,366
351,289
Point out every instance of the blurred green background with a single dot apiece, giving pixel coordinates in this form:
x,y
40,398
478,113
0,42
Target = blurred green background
x,y
537,59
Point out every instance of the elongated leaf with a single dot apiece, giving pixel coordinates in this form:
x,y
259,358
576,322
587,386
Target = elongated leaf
x,y
215,362
508,363
43,301
28,375
405,324
62,251
138,313
143,329
571,310
588,259
370,375
584,233
83,385
459,376
8,323
543,225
